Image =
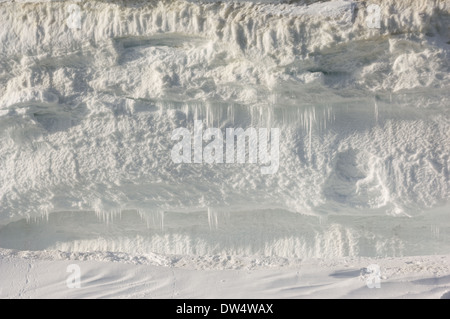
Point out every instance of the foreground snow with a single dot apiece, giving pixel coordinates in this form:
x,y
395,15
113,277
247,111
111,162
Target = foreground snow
x,y
108,275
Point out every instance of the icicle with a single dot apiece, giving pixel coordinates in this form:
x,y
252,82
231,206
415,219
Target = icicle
x,y
154,218
161,218
105,216
213,219
310,136
376,111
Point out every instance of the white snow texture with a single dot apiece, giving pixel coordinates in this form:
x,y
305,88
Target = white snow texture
x,y
90,92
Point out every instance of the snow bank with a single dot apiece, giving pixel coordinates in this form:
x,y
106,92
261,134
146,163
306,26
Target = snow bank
x,y
90,95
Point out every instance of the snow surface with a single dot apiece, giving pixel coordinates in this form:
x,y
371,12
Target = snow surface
x,y
44,275
87,113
